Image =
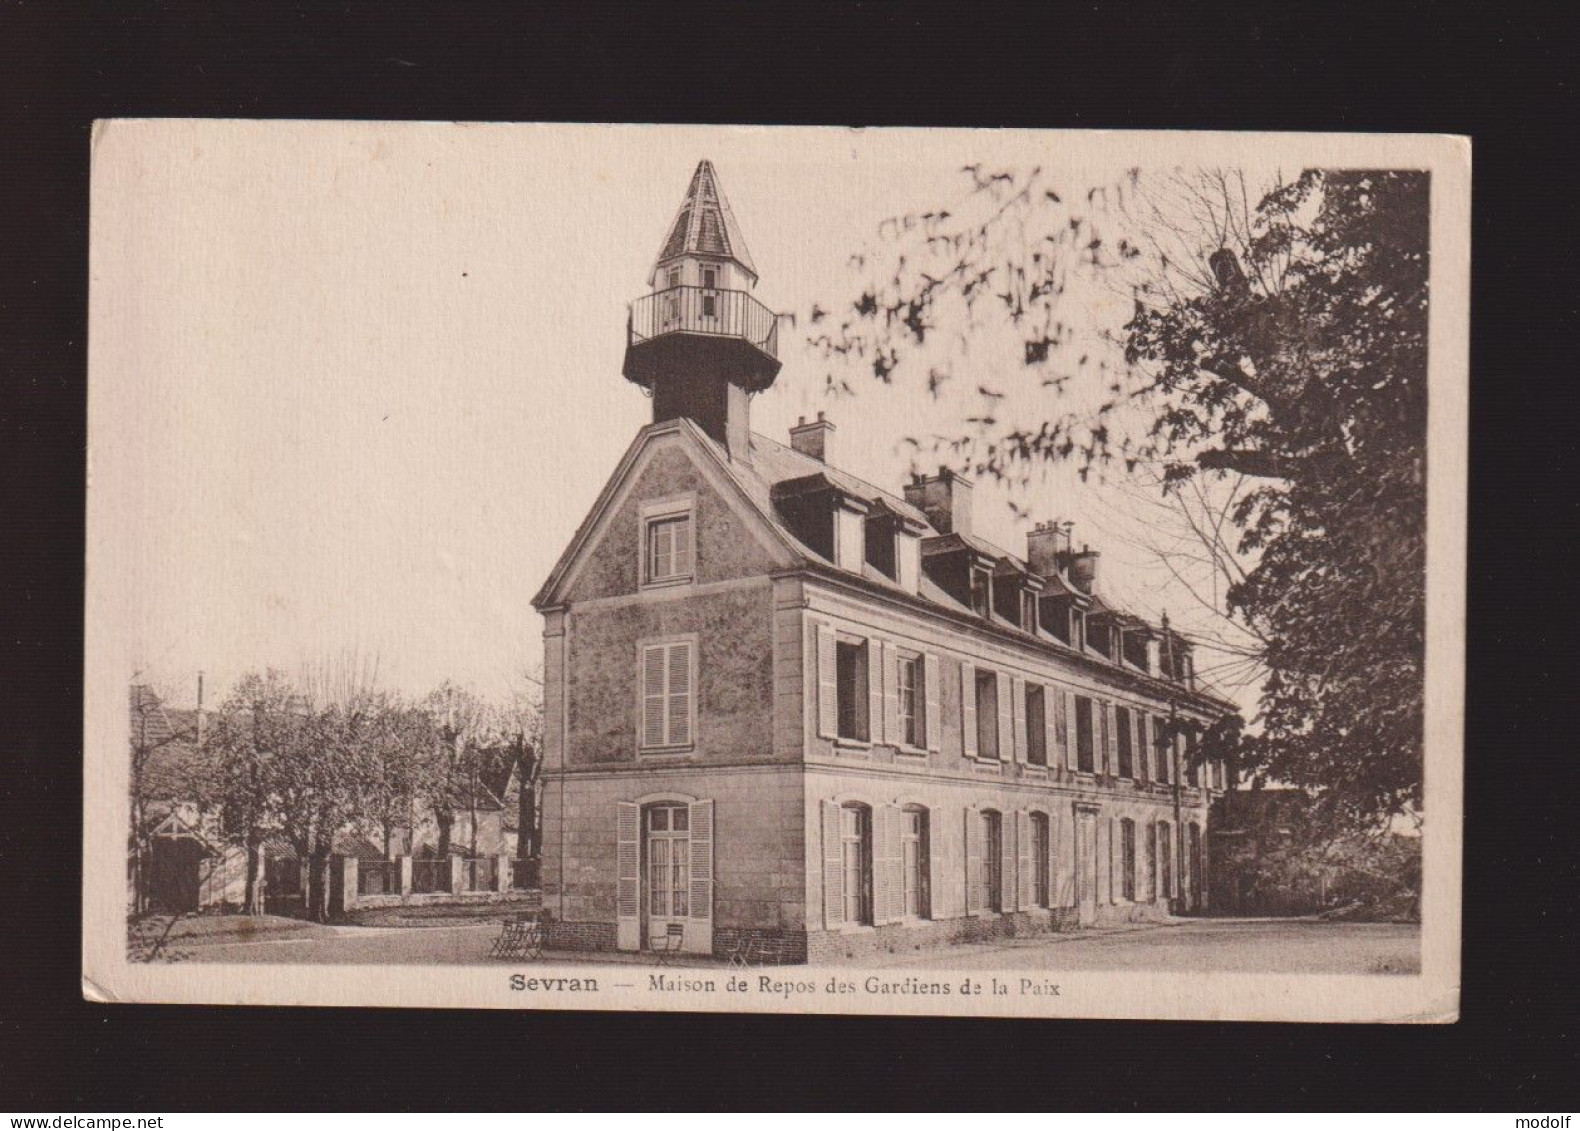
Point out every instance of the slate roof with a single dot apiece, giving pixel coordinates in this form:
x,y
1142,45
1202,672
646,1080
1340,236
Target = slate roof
x,y
705,224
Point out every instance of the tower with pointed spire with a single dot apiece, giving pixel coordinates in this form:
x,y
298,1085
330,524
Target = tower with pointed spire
x,y
700,343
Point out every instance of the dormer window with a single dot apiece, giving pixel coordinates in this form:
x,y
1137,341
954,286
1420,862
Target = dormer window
x,y
981,592
1028,611
880,546
1078,628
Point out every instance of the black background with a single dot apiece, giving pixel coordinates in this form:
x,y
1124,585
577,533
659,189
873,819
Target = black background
x,y
1507,79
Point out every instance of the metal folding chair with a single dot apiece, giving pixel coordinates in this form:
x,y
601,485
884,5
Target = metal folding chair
x,y
667,945
520,936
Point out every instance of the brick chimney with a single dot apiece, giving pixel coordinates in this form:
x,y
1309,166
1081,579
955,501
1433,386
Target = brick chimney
x,y
1083,569
812,439
1047,546
944,498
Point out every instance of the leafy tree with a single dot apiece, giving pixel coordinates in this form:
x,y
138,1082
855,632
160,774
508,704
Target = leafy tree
x,y
253,725
1278,336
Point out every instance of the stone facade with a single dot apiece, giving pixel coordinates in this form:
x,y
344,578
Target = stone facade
x,y
782,704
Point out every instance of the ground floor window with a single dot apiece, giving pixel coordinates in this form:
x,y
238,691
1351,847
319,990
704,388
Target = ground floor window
x,y
993,860
1040,880
1127,858
668,860
1165,862
914,861
855,834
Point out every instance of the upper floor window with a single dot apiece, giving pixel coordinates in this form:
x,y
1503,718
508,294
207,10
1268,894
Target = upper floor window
x,y
669,552
1036,725
1084,751
1164,750
987,714
912,700
1127,768
667,698
850,681
710,281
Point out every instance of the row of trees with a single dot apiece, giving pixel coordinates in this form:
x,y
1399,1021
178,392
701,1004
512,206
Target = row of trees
x,y
328,754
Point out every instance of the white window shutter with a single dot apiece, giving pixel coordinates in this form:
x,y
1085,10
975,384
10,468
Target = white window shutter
x,y
1018,703
935,711
887,865
1072,755
827,683
968,710
701,860
891,695
833,868
1023,860
973,856
680,692
628,866
1050,726
1005,689
875,657
653,695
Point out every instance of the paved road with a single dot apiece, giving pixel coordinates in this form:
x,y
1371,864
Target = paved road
x,y
1242,946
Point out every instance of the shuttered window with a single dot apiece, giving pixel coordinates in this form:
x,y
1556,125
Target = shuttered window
x,y
1084,759
987,714
1061,728
1127,858
1125,734
851,667
1036,726
914,864
992,861
1164,751
667,695
855,835
912,701
1040,860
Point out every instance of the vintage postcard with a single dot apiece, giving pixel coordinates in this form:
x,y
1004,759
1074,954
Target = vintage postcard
x,y
1003,573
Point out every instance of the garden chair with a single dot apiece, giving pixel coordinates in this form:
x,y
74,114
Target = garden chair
x,y
520,936
668,944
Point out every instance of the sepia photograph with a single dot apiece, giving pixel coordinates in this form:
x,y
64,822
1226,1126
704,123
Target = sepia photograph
x,y
764,569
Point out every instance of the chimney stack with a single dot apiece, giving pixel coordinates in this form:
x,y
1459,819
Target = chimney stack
x,y
1047,547
944,498
1083,569
812,439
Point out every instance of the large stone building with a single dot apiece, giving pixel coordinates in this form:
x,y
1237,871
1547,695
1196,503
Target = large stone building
x,y
783,701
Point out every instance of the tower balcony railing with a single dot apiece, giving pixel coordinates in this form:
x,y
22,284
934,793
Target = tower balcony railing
x,y
711,311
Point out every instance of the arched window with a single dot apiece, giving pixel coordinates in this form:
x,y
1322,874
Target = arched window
x,y
915,854
1040,879
855,835
993,859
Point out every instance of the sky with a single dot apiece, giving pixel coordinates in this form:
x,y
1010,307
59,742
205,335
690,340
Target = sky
x,y
354,386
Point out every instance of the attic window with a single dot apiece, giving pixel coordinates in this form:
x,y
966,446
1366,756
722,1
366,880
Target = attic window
x,y
981,592
668,544
1028,611
880,541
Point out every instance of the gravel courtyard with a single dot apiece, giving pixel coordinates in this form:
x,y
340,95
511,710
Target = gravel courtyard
x,y
1251,946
